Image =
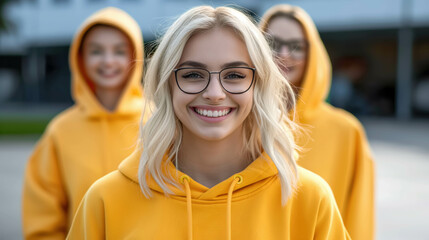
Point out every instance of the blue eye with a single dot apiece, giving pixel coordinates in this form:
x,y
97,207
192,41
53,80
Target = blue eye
x,y
192,75
234,75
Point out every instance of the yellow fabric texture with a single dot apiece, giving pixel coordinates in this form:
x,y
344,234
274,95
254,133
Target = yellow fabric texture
x,y
334,143
83,143
244,206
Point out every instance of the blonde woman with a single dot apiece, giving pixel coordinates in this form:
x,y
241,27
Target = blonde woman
x,y
335,147
216,159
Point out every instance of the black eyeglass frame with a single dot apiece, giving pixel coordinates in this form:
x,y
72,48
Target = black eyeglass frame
x,y
288,43
210,74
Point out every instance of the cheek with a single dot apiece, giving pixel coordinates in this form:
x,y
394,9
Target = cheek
x,y
245,101
91,62
124,61
302,65
180,100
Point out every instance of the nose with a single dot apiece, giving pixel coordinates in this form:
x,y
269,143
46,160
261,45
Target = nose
x,y
284,51
108,58
214,91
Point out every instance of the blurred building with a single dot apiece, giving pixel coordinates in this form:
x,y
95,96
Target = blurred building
x,y
379,48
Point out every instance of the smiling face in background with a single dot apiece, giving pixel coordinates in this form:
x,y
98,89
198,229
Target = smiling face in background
x,y
106,54
213,114
290,46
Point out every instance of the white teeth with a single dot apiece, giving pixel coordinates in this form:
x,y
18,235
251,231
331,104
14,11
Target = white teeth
x,y
210,113
108,72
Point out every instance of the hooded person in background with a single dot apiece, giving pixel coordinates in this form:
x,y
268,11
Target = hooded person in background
x,y
89,139
335,146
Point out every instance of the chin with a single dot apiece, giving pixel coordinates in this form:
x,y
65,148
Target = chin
x,y
110,83
211,135
214,136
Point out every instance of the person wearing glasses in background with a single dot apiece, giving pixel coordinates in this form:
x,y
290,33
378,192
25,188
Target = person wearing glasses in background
x,y
334,145
216,156
92,137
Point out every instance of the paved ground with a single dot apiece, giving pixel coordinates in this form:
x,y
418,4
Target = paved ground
x,y
402,157
13,156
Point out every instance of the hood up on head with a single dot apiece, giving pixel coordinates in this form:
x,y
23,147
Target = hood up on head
x,y
130,102
317,76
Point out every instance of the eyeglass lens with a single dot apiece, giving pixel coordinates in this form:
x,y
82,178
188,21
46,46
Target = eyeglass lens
x,y
233,80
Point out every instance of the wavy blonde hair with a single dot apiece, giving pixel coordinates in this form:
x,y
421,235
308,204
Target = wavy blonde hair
x,y
264,128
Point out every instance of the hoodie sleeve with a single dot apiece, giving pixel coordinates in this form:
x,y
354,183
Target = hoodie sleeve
x,y
44,202
88,222
329,224
359,213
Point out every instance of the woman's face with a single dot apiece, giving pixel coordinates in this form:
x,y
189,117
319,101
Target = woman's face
x,y
213,114
106,53
290,45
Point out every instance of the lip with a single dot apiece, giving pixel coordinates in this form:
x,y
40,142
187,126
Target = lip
x,y
111,75
284,68
212,108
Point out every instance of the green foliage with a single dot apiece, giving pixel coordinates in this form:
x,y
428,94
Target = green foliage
x,y
22,126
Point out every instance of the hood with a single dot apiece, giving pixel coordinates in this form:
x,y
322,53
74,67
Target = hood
x,y
259,172
130,102
317,76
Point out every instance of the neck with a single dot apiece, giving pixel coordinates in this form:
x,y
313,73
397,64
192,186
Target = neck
x,y
109,98
211,162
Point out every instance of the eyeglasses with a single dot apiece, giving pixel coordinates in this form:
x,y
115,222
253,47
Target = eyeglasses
x,y
296,48
235,80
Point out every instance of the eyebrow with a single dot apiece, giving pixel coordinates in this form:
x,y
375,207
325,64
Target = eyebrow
x,y
235,64
192,64
202,65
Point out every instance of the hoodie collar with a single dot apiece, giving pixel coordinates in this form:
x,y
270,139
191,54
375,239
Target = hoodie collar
x,y
130,102
258,173
317,76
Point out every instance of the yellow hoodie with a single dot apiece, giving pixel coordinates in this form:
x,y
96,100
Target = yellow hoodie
x,y
83,143
335,147
245,206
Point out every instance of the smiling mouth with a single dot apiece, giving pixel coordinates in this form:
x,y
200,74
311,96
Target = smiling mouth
x,y
212,113
108,74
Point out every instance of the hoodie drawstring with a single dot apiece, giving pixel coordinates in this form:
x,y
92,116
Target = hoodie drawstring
x,y
185,180
237,180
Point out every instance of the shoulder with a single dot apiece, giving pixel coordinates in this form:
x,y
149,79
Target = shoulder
x,y
314,205
341,117
63,119
312,185
113,186
312,196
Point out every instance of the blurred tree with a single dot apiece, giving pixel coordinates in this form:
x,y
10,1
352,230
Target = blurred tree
x,y
4,23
